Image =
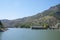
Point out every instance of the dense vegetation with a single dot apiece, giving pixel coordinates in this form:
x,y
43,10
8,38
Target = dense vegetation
x,y
1,25
2,28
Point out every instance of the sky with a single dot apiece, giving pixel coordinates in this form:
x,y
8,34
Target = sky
x,y
14,9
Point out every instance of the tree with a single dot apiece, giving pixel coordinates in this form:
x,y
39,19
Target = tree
x,y
46,25
1,25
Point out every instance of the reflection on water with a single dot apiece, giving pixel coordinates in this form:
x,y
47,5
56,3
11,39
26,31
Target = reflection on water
x,y
28,34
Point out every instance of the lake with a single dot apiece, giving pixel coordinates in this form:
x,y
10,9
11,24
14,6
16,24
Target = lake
x,y
29,34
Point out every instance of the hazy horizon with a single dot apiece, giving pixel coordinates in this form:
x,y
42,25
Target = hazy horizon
x,y
13,9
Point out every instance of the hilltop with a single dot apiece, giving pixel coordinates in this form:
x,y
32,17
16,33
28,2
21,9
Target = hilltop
x,y
49,17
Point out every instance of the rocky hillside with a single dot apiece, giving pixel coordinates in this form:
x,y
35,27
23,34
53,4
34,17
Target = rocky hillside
x,y
48,17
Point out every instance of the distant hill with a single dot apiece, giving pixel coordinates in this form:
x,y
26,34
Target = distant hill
x,y
50,17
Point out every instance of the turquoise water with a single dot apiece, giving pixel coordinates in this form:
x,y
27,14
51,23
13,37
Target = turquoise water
x,y
28,34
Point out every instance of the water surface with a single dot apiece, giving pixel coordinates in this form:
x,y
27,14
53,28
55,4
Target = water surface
x,y
28,34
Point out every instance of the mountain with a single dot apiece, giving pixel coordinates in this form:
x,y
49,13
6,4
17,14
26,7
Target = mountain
x,y
50,16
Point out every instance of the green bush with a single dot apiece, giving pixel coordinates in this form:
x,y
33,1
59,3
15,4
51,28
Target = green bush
x,y
46,25
25,26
